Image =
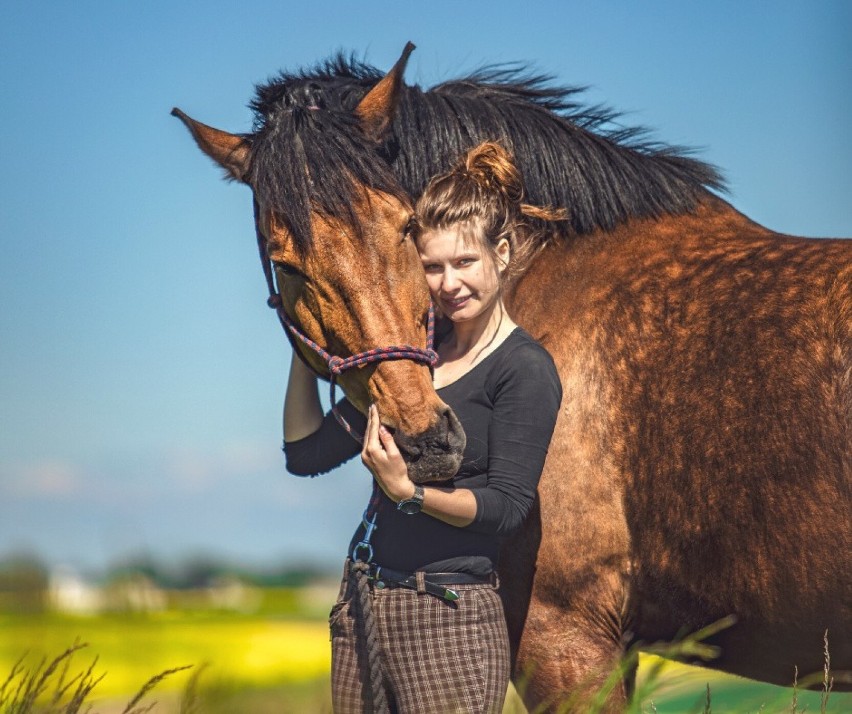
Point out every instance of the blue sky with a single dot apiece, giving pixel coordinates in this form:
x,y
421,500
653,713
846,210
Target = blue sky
x,y
141,376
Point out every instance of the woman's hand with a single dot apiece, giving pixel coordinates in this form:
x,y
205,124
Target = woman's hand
x,y
381,455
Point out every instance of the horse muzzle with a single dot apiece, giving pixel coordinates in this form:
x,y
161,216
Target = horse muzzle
x,y
436,454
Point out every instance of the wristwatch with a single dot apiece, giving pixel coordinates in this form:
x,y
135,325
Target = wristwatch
x,y
412,505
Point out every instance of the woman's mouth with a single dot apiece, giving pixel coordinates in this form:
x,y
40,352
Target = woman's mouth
x,y
456,303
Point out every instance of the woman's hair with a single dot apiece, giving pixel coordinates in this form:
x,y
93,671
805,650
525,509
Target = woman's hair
x,y
482,195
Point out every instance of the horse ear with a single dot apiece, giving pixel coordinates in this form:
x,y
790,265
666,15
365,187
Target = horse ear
x,y
377,108
230,151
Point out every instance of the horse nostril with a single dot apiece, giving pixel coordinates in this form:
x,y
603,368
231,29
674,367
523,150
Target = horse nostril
x,y
443,428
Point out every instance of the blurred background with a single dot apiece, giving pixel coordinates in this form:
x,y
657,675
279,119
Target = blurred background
x,y
142,376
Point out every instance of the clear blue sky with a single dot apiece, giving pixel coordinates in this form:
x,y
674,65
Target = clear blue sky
x,y
141,375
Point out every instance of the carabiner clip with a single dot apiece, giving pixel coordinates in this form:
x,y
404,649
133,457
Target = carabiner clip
x,y
364,543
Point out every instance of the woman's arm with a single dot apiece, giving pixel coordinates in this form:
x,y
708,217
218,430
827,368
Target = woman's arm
x,y
381,455
526,404
526,394
315,443
302,410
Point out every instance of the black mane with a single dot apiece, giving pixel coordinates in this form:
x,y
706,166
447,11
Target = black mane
x,y
308,150
571,155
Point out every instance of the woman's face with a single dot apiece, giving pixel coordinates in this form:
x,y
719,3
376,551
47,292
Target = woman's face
x,y
463,278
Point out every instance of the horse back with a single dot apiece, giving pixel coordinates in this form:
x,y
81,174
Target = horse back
x,y
707,365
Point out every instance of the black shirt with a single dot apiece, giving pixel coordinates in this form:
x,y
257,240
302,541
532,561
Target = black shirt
x,y
507,404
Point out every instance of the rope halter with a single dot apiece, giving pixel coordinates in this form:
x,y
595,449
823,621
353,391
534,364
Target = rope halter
x,y
338,365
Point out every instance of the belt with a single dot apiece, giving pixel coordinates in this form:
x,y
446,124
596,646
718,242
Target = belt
x,y
432,583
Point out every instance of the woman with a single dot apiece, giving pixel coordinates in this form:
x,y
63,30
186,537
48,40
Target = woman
x,y
441,628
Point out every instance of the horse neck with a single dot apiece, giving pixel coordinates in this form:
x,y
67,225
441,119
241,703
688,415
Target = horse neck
x,y
568,270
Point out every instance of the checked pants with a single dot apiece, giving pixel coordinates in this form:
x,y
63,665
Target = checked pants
x,y
438,657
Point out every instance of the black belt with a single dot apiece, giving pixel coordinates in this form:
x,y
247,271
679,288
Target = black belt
x,y
433,583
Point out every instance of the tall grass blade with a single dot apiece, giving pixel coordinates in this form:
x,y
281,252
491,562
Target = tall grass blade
x,y
131,707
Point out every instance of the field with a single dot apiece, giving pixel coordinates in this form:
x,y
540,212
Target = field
x,y
276,659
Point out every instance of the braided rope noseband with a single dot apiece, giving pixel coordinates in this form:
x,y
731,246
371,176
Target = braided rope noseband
x,y
338,365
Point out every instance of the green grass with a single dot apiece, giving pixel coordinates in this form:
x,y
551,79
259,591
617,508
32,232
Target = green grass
x,y
681,689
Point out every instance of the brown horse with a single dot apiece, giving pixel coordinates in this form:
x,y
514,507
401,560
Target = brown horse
x,y
702,461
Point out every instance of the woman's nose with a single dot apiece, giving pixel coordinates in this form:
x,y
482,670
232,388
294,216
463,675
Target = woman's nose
x,y
450,283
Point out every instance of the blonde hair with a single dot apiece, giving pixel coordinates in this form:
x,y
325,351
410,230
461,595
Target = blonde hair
x,y
483,195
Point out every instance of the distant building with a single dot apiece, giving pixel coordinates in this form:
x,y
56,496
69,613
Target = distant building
x,y
228,592
135,593
68,592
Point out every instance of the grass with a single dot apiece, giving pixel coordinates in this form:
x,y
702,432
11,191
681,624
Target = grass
x,y
267,663
664,686
252,652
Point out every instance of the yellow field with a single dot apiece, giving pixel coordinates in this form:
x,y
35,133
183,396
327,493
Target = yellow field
x,y
248,651
282,664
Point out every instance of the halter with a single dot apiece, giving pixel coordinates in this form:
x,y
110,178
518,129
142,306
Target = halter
x,y
338,365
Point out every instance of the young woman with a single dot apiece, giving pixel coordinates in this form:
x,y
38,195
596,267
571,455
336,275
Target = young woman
x,y
441,628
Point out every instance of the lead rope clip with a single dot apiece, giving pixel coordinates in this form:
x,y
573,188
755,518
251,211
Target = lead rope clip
x,y
364,544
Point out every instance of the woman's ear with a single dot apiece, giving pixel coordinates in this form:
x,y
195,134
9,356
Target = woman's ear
x,y
503,253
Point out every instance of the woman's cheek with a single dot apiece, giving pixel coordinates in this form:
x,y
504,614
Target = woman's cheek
x,y
434,284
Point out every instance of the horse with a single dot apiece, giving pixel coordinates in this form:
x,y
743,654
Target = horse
x,y
702,458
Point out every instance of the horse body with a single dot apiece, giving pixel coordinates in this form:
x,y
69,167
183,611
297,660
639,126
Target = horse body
x,y
701,464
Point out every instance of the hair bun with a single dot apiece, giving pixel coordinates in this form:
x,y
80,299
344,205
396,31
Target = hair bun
x,y
482,195
491,167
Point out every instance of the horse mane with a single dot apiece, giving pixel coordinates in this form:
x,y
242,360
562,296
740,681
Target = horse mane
x,y
571,155
308,152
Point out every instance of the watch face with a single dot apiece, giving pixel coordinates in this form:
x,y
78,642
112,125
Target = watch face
x,y
414,504
410,507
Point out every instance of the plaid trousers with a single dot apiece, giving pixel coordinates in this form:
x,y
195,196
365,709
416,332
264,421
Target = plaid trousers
x,y
437,657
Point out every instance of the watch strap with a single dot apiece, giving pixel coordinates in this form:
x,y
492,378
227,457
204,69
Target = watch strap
x,y
412,505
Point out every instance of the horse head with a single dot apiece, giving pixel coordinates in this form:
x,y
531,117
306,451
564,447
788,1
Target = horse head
x,y
332,219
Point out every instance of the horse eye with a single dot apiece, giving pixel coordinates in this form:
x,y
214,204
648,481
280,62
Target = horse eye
x,y
288,269
410,229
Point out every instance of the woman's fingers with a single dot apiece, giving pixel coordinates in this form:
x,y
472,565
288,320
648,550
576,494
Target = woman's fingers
x,y
372,442
373,425
380,451
381,455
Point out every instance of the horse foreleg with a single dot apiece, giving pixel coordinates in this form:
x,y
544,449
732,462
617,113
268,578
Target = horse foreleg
x,y
570,655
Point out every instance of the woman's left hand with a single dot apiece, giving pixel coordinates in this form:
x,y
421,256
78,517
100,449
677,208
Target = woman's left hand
x,y
381,455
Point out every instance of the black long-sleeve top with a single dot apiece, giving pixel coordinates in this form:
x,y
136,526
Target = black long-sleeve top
x,y
508,405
